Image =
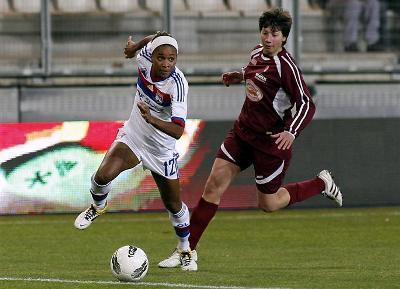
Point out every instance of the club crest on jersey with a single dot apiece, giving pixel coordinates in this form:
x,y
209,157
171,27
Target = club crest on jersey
x,y
158,98
253,92
261,77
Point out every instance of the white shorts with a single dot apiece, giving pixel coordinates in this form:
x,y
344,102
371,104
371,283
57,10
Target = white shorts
x,y
165,164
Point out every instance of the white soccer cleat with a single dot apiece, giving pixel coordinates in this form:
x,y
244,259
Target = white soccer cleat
x,y
86,218
331,191
174,260
187,260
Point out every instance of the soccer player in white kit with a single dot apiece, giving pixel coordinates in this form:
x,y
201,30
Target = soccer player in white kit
x,y
157,120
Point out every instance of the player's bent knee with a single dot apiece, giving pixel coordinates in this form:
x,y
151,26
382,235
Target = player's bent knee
x,y
271,202
268,207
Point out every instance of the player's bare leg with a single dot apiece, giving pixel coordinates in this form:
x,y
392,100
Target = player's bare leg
x,y
273,202
222,174
118,159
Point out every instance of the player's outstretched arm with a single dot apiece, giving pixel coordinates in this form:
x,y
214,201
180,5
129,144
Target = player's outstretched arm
x,y
132,47
232,77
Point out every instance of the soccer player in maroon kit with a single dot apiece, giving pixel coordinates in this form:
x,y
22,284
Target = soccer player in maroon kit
x,y
264,132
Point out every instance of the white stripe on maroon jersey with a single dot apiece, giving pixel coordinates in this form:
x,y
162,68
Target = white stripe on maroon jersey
x,y
304,94
304,105
278,65
255,51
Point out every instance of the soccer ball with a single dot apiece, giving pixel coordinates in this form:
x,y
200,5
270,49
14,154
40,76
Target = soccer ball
x,y
129,263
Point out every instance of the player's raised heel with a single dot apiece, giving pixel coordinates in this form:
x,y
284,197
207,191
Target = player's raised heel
x,y
187,261
331,191
86,218
174,260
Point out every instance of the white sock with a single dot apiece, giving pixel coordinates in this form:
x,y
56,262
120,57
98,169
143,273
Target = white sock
x,y
99,193
181,222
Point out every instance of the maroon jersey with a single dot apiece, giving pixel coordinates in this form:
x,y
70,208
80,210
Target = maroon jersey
x,y
273,87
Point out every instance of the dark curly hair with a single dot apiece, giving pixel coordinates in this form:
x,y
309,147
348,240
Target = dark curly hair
x,y
161,33
278,19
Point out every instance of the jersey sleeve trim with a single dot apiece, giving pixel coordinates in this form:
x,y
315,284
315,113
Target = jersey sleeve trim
x,y
178,120
291,134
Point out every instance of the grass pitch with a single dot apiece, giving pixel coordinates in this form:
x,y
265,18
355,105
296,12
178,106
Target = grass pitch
x,y
315,249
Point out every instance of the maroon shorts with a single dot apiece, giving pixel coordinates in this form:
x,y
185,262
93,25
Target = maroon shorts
x,y
270,163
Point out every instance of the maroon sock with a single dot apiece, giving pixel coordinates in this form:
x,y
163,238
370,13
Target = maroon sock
x,y
199,220
304,190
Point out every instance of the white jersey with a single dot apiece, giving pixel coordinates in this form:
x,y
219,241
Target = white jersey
x,y
167,100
